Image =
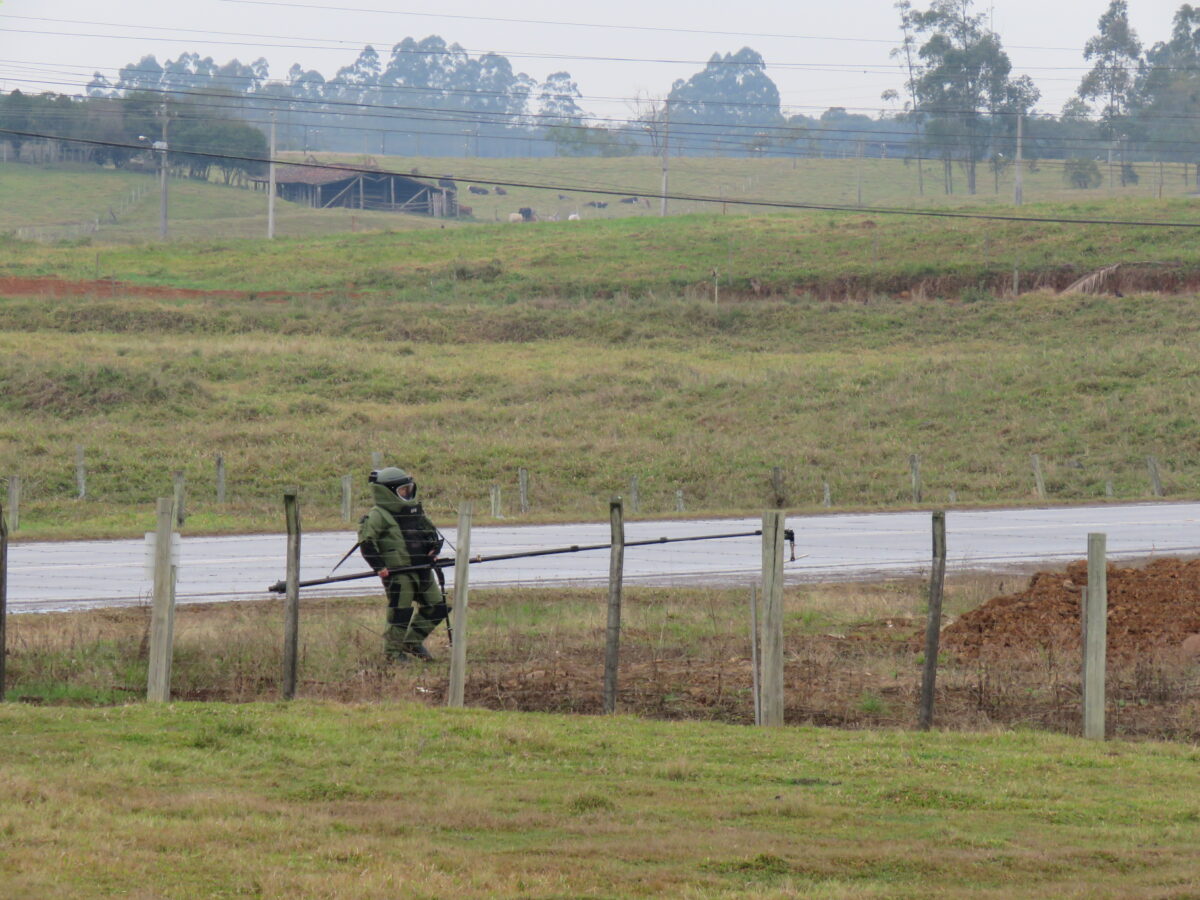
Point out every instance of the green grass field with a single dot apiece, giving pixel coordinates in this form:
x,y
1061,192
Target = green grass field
x,y
834,346
393,800
55,197
694,352
586,396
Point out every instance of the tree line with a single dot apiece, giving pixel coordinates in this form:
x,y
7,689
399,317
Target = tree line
x,y
963,104
959,103
120,131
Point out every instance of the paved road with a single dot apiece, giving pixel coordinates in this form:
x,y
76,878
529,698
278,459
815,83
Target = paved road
x,y
57,576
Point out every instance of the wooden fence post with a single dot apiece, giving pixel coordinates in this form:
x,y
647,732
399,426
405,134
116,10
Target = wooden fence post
x,y
291,614
1095,637
1108,489
826,495
755,681
3,598
14,502
778,499
523,484
679,500
458,653
612,634
914,467
376,459
772,644
80,472
933,625
347,498
1156,487
1039,483
179,495
220,480
162,615
634,505
494,493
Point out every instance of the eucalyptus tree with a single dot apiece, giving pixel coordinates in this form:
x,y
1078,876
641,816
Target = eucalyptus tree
x,y
963,86
1116,56
1167,92
730,106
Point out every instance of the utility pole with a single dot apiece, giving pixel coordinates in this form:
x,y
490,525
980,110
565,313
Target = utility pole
x,y
666,154
859,172
1018,187
271,184
162,178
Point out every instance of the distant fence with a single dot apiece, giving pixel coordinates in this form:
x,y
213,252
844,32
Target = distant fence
x,y
342,491
83,228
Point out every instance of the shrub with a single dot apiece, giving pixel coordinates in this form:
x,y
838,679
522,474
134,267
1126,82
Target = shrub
x,y
1082,173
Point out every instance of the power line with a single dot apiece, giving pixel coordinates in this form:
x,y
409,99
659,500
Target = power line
x,y
697,198
703,135
623,27
305,43
239,82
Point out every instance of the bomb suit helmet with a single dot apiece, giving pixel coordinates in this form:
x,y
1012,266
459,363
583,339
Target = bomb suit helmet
x,y
393,478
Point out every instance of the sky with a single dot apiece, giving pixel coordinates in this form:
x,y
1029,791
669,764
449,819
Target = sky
x,y
818,54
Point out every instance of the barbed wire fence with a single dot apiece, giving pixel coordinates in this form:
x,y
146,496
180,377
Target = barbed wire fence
x,y
67,231
344,493
678,563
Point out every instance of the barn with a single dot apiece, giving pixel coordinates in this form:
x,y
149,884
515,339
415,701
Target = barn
x,y
327,185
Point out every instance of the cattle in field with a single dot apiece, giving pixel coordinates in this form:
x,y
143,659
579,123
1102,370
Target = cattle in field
x,y
500,191
527,214
476,189
516,217
628,200
563,197
597,204
573,217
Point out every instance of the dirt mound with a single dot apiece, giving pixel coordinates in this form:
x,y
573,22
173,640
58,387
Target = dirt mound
x,y
1152,609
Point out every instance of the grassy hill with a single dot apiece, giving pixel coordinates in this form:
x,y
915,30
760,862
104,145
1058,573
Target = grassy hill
x,y
574,182
695,352
823,254
53,198
390,800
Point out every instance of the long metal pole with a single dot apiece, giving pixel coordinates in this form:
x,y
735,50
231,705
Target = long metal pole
x,y
279,587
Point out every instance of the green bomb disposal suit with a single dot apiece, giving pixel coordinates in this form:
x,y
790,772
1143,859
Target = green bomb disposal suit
x,y
396,533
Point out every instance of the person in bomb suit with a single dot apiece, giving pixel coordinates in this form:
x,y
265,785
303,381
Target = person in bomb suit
x,y
396,534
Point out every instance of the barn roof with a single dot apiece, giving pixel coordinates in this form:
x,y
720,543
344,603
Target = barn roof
x,y
326,173
329,173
